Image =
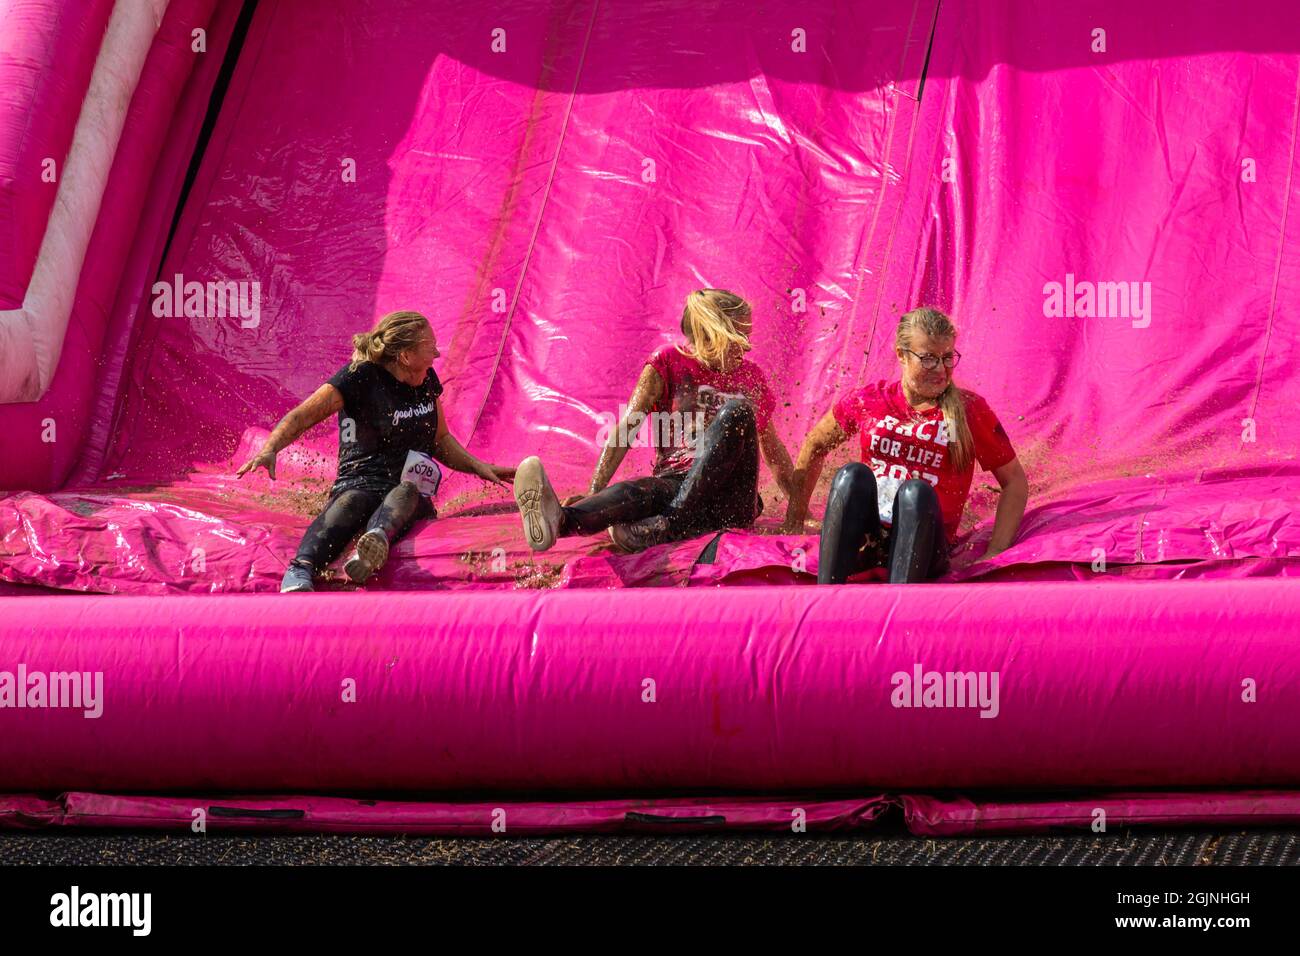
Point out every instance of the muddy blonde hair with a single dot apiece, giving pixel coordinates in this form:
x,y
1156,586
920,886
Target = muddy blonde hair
x,y
392,335
952,401
709,324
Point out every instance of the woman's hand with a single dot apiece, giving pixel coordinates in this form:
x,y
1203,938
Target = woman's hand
x,y
572,500
496,474
263,459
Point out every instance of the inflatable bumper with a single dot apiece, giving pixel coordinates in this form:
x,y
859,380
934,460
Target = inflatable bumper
x,y
755,689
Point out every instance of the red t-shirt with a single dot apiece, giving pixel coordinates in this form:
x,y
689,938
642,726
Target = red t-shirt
x,y
899,442
691,399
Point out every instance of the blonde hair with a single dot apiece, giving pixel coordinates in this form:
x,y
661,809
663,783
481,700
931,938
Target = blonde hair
x,y
952,401
393,334
709,324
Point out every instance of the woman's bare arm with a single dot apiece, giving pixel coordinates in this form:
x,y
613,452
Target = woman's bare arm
x,y
825,436
1011,506
648,389
777,458
448,450
322,403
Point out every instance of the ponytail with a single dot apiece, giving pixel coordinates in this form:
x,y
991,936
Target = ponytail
x,y
392,335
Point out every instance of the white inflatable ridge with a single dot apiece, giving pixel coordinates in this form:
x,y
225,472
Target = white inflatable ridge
x,y
31,338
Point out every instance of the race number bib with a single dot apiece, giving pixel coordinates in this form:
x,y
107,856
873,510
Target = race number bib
x,y
423,472
886,489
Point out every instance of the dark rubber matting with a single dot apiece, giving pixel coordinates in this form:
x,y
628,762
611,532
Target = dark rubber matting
x,y
1127,847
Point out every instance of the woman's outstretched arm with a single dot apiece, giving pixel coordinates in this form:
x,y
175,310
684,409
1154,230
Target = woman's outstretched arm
x,y
825,436
324,402
448,450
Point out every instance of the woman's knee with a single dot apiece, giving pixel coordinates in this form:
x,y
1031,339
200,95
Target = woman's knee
x,y
347,506
405,491
737,413
917,496
854,479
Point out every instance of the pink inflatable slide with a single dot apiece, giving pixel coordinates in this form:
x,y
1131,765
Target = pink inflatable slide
x,y
1104,197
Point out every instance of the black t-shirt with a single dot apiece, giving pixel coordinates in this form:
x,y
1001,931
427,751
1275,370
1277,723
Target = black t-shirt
x,y
389,418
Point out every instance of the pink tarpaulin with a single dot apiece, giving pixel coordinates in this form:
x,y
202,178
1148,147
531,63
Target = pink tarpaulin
x,y
1102,197
550,203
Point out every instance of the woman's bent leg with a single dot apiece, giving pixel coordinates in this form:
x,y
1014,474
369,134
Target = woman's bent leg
x,y
342,517
852,521
721,489
918,547
621,502
395,514
337,524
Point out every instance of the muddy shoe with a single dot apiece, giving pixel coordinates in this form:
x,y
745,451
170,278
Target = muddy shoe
x,y
538,505
296,579
371,553
639,535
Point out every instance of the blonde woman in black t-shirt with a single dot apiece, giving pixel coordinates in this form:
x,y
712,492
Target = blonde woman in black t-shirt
x,y
392,433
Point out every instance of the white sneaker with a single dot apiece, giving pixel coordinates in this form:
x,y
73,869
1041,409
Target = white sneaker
x,y
537,503
371,553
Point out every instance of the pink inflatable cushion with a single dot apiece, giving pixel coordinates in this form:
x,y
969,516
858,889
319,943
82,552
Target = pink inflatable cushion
x,y
791,814
509,817
1100,812
1046,685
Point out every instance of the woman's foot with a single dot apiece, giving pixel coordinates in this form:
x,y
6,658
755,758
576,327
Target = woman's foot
x,y
371,553
639,535
538,505
296,579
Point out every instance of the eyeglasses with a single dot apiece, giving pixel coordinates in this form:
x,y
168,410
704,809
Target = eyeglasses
x,y
931,362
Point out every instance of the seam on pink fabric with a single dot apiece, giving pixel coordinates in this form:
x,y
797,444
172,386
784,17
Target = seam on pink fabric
x,y
537,226
900,100
140,354
1277,268
887,258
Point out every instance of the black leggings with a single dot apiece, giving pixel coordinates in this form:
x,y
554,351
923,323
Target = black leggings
x,y
345,516
914,549
719,491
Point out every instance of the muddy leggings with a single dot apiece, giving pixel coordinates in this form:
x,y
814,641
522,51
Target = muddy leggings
x,y
348,513
719,491
914,549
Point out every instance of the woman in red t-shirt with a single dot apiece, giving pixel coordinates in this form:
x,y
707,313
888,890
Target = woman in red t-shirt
x,y
921,437
710,415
